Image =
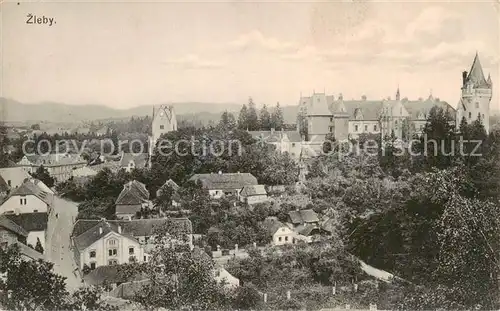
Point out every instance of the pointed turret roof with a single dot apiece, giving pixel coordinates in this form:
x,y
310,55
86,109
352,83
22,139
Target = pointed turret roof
x,y
476,75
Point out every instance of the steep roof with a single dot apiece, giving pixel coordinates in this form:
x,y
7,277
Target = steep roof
x,y
133,193
272,225
135,227
8,224
253,190
54,159
303,216
30,221
29,188
140,159
371,110
476,75
225,180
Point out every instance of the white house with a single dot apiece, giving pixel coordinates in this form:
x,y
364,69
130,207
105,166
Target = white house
x,y
106,242
28,198
224,184
131,199
280,233
253,194
59,166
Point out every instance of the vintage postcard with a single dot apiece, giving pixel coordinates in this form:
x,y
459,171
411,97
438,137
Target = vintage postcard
x,y
250,155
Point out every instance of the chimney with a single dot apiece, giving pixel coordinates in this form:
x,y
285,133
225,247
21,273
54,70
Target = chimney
x,y
119,229
100,230
464,77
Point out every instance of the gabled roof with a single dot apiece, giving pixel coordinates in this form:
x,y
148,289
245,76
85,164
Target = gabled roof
x,y
29,252
307,230
54,159
303,216
30,221
8,224
225,180
133,193
135,227
140,159
476,75
272,225
253,190
29,188
171,184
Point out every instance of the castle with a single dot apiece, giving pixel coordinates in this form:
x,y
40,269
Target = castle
x,y
345,119
164,121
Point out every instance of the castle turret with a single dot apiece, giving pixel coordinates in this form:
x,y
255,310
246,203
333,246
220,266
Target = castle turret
x,y
476,96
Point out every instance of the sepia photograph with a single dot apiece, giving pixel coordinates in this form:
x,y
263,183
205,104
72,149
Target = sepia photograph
x,y
249,155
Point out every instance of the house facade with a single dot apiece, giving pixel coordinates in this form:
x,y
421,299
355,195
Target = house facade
x,y
284,141
35,224
225,184
31,197
59,166
253,194
103,242
348,119
280,233
131,161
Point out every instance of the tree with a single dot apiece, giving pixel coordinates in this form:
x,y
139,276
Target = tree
x,y
35,127
43,175
227,121
247,297
265,119
277,119
243,118
38,246
252,118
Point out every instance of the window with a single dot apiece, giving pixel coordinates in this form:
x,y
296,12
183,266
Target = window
x,y
112,252
146,239
92,265
375,128
470,115
92,254
35,211
366,128
396,122
279,239
331,119
21,201
355,128
130,250
483,116
112,242
286,239
477,104
162,127
112,262
145,258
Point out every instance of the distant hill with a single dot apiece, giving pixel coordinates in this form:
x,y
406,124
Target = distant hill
x,y
12,111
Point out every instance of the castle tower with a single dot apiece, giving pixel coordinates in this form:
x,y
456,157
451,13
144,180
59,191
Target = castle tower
x,y
476,96
164,121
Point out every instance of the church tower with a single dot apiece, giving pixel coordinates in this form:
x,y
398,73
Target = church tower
x,y
476,96
164,121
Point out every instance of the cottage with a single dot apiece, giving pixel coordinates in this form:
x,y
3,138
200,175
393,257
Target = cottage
x,y
105,242
224,184
253,194
131,161
31,197
133,197
305,224
280,233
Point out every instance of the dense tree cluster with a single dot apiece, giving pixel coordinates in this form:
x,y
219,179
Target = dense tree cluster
x,y
251,120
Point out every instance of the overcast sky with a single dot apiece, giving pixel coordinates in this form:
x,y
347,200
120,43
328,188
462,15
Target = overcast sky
x,y
127,54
